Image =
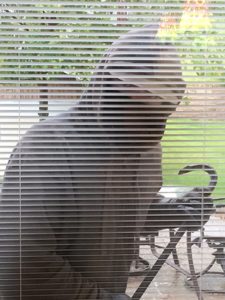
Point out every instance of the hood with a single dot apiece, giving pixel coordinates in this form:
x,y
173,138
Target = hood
x,y
136,86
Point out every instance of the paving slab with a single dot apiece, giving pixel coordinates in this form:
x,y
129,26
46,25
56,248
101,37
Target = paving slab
x,y
173,285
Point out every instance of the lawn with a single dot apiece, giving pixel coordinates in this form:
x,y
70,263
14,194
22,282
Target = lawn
x,y
188,141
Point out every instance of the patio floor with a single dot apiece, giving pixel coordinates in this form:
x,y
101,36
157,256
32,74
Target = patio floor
x,y
172,285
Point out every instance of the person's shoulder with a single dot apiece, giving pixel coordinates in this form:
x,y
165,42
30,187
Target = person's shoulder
x,y
51,133
51,127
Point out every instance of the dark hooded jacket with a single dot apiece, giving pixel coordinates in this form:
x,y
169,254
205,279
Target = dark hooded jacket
x,y
77,186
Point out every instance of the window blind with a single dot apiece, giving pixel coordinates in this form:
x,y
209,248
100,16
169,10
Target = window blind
x,y
112,149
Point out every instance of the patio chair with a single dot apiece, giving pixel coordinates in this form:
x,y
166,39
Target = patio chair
x,y
176,233
213,235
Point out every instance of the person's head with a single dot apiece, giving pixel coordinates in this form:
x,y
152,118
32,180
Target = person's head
x,y
137,85
139,66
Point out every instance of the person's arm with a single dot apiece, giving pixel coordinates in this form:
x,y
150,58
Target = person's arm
x,y
188,213
31,266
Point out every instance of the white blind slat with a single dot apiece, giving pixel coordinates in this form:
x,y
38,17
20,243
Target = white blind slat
x,y
111,134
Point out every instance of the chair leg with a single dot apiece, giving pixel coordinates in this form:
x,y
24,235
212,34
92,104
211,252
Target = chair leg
x,y
174,252
158,264
193,276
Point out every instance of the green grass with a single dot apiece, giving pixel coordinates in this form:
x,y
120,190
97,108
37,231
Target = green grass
x,y
188,141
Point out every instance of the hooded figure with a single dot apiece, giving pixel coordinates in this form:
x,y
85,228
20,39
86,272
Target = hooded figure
x,y
78,186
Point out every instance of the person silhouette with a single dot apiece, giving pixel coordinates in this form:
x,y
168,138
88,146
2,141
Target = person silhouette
x,y
78,185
